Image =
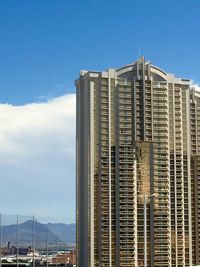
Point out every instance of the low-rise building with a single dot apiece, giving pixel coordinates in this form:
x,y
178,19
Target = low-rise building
x,y
65,258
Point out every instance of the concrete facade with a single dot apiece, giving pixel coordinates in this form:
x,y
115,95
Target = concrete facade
x,y
138,134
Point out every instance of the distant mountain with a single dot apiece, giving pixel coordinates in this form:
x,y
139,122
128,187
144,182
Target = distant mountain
x,y
51,233
65,232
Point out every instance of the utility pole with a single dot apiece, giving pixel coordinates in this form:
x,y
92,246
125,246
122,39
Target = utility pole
x,y
0,239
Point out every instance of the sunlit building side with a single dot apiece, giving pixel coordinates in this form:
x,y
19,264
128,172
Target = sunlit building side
x,y
138,133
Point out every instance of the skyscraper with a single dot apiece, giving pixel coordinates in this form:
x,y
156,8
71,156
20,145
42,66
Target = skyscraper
x,y
138,168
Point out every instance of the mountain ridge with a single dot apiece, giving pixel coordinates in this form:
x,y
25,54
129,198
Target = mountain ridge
x,y
51,232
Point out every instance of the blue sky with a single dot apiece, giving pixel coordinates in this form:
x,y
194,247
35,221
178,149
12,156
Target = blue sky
x,y
43,45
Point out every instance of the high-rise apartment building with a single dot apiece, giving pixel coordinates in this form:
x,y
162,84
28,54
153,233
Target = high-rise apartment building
x,y
138,168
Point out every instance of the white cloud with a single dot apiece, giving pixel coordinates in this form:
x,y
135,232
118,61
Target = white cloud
x,y
195,85
37,158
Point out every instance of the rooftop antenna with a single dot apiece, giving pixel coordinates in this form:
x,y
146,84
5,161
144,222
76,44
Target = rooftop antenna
x,y
139,52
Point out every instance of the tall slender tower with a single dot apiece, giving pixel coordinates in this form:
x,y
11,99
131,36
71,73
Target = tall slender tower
x,y
138,168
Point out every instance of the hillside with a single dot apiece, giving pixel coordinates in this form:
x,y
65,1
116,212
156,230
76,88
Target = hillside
x,y
53,232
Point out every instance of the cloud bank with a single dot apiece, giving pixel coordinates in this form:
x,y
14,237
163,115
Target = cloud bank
x,y
37,159
195,85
